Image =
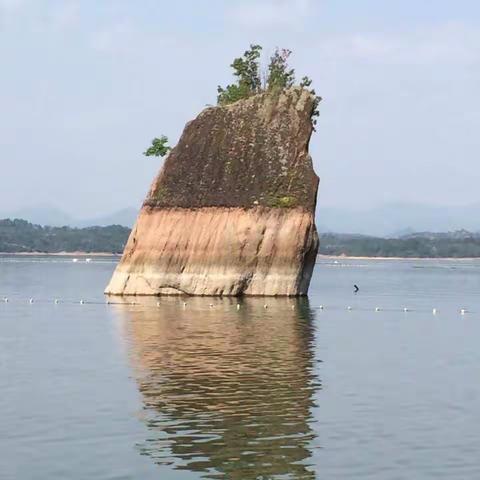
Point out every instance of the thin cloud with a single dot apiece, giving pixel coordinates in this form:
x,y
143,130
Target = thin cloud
x,y
114,39
65,15
270,13
10,10
450,43
10,5
41,15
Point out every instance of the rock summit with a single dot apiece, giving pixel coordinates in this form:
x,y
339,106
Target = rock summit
x,y
232,211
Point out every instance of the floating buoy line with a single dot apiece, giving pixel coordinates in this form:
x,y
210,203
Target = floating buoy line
x,y
58,301
238,306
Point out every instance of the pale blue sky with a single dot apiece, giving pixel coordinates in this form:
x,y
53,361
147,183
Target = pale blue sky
x,y
86,84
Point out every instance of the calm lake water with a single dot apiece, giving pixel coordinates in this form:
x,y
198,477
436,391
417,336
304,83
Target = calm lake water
x,y
96,391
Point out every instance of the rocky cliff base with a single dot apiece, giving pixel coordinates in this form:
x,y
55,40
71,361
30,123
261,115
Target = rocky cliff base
x,y
232,210
218,251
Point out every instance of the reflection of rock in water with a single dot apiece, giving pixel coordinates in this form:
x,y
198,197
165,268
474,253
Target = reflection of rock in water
x,y
227,392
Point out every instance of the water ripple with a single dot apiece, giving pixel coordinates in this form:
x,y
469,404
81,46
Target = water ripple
x,y
227,393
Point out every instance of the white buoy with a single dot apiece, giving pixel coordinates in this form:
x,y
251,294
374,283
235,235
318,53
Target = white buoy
x,y
321,307
81,302
377,309
88,260
293,307
463,311
56,301
158,304
434,311
405,309
31,300
107,302
265,306
211,305
349,308
184,304
74,260
238,306
5,299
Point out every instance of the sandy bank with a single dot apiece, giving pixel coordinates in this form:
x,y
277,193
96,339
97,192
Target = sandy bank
x,y
345,257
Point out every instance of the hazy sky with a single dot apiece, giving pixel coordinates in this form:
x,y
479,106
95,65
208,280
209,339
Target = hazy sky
x,y
86,84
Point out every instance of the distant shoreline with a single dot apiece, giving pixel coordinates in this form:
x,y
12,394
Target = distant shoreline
x,y
101,241
61,254
319,256
346,257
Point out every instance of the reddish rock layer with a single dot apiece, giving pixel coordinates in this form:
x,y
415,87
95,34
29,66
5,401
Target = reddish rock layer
x,y
218,251
232,210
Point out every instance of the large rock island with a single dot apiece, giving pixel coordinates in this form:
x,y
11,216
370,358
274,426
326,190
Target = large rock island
x,y
232,210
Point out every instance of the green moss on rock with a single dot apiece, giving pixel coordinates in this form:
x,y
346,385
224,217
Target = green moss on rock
x,y
282,202
240,155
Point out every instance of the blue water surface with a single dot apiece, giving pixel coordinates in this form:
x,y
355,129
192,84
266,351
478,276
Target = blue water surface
x,y
337,386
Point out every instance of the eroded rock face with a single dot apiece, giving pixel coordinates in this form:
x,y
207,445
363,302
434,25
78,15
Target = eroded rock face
x,y
232,210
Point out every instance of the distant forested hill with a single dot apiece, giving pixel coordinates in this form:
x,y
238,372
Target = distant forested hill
x,y
18,236
460,244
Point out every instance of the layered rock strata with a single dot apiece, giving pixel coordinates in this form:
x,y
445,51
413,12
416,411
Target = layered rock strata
x,y
232,210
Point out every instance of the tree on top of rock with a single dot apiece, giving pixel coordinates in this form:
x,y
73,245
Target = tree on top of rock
x,y
278,77
247,71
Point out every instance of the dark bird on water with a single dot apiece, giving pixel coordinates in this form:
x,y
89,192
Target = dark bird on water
x,y
356,289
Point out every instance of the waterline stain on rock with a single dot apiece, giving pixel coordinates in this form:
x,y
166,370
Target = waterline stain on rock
x,y
232,210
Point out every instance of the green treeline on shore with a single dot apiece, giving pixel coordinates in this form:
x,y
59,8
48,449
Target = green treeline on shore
x,y
461,244
20,236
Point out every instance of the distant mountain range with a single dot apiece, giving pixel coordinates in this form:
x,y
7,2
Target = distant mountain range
x,y
397,219
20,236
54,217
389,220
459,244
